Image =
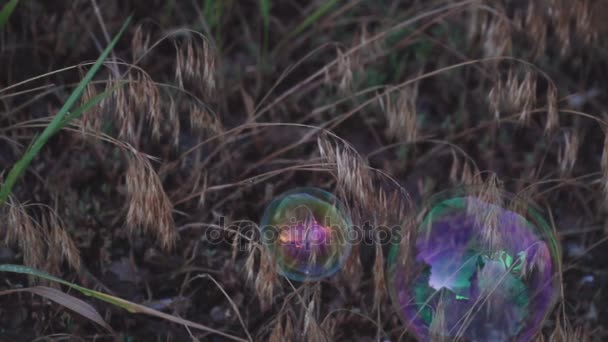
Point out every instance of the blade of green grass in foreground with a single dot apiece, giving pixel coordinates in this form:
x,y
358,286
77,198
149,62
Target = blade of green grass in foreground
x,y
77,305
57,123
119,302
314,17
92,102
307,22
6,12
265,13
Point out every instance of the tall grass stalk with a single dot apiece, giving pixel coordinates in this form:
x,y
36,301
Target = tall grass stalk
x,y
6,12
119,302
265,13
62,118
313,17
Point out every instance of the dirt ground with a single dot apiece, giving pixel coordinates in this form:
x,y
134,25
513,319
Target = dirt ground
x,y
213,108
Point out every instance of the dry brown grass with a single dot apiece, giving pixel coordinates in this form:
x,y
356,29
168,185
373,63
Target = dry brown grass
x,y
565,334
400,111
149,208
265,281
21,229
215,126
44,242
195,67
514,95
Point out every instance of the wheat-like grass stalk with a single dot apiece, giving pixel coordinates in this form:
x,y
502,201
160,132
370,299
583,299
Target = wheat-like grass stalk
x,y
60,120
149,207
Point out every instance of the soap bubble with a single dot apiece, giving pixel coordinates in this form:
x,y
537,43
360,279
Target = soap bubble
x,y
306,231
475,270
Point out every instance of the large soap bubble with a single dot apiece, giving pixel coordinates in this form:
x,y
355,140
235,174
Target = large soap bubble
x,y
306,231
475,270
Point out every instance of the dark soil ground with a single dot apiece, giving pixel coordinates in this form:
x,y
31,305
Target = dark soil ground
x,y
224,109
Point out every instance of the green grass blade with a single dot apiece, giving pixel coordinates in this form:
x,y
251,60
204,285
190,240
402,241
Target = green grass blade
x,y
119,302
314,17
87,292
57,123
209,11
75,304
213,11
265,13
307,22
6,12
92,102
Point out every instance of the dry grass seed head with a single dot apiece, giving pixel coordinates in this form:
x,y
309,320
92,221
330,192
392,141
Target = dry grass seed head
x,y
145,98
45,244
400,112
474,20
470,174
573,19
277,334
552,110
466,175
522,199
455,168
174,118
495,33
495,98
252,252
53,256
92,120
560,14
525,96
604,167
266,280
566,333
283,330
345,72
202,186
202,120
535,26
365,47
379,279
568,152
439,329
140,44
514,95
195,65
391,209
149,207
312,329
125,120
24,232
352,271
486,216
351,172
583,21
138,100
60,241
330,325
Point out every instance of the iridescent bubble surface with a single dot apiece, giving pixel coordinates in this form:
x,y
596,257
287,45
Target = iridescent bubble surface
x,y
475,271
306,230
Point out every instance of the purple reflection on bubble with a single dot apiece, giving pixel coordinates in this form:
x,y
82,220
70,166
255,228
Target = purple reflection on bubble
x,y
474,282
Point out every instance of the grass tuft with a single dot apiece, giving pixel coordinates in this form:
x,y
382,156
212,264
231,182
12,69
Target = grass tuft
x,y
6,12
60,120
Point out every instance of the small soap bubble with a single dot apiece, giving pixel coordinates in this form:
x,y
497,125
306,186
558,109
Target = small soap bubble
x,y
306,231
